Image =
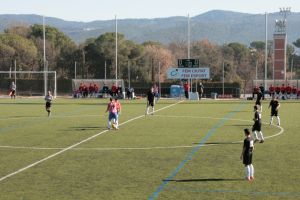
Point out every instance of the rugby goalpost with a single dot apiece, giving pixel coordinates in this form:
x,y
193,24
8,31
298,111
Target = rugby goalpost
x,y
45,79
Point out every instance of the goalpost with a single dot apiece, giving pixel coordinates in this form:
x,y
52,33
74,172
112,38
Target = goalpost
x,y
35,83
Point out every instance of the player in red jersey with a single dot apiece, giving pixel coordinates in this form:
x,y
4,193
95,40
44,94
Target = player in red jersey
x,y
119,107
283,92
288,90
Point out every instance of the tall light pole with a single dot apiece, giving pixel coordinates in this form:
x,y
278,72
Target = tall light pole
x,y
116,47
266,50
45,63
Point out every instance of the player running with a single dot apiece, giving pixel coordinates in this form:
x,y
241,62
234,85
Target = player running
x,y
150,100
13,88
274,104
119,107
111,107
48,99
246,155
257,126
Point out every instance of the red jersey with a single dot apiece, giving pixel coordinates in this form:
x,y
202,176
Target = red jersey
x,y
118,106
186,87
277,89
294,90
91,88
288,89
282,89
114,88
271,89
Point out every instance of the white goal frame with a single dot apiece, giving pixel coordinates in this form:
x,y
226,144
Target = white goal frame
x,y
36,72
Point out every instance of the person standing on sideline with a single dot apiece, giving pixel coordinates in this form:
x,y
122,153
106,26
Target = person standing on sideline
x,y
246,155
119,107
13,88
186,87
274,104
150,101
111,107
262,90
271,90
258,100
48,99
201,90
257,126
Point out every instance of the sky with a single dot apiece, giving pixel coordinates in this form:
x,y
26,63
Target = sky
x,y
90,10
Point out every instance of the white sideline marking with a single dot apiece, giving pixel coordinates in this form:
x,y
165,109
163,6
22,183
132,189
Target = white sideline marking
x,y
149,148
74,145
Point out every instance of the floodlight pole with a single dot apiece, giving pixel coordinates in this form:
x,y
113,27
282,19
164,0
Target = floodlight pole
x,y
116,47
75,70
15,62
266,50
105,70
128,74
45,64
159,83
189,46
223,79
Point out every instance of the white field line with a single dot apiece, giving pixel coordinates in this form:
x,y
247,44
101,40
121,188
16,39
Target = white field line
x,y
75,145
148,148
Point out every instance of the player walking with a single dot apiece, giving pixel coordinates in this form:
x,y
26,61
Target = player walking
x,y
257,126
150,100
48,99
111,107
119,107
13,88
274,104
246,155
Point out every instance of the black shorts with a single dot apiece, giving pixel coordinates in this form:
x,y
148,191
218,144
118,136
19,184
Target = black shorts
x,y
48,104
247,158
274,113
258,103
256,126
150,103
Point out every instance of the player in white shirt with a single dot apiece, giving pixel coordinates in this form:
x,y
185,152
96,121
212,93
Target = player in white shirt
x,y
48,99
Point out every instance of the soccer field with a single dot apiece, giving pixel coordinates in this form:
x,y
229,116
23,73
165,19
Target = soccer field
x,y
186,150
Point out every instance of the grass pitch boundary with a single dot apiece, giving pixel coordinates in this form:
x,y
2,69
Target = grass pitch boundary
x,y
74,145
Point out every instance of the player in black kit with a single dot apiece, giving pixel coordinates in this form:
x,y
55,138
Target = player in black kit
x,y
246,155
274,104
258,99
257,126
150,100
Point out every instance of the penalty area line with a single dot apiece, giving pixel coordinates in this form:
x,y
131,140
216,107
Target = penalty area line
x,y
75,145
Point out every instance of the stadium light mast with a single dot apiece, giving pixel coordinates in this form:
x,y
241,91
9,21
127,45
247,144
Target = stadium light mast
x,y
116,47
44,58
266,50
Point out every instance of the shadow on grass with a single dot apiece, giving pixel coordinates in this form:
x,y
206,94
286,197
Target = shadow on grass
x,y
87,128
206,179
219,143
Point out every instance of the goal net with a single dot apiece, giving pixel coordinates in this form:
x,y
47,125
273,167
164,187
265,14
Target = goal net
x,y
28,83
104,86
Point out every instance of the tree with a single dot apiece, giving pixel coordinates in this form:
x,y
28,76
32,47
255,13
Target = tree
x,y
258,45
297,43
24,50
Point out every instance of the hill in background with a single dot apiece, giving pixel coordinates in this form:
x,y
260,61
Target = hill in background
x,y
217,26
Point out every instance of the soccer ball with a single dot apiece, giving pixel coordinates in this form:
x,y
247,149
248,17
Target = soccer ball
x,y
113,125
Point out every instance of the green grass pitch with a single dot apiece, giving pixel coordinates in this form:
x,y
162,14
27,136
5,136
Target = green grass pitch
x,y
186,150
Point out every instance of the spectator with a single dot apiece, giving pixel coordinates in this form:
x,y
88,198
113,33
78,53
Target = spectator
x,y
262,90
186,87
